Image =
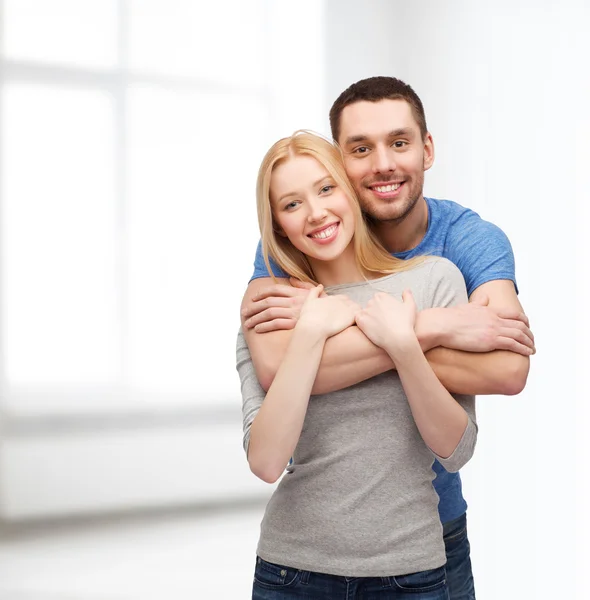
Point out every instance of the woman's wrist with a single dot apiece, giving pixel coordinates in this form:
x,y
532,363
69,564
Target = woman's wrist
x,y
403,348
310,330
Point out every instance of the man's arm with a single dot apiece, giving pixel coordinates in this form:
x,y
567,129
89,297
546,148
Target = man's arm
x,y
513,370
350,357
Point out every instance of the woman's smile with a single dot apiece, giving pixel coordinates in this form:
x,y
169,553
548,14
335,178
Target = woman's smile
x,y
326,234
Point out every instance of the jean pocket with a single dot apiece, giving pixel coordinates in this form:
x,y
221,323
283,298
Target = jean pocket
x,y
455,529
423,581
273,576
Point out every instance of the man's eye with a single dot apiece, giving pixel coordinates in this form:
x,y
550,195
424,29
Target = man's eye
x,y
400,143
361,150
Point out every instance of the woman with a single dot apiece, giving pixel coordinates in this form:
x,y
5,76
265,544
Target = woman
x,y
356,511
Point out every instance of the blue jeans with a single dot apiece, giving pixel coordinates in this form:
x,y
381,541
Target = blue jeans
x,y
278,582
458,567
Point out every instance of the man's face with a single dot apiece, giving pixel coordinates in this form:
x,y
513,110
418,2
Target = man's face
x,y
385,156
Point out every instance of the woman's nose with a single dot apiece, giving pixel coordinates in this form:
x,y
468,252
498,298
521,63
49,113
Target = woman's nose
x,y
317,213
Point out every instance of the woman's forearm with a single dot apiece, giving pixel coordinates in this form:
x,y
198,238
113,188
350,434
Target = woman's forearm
x,y
441,420
276,429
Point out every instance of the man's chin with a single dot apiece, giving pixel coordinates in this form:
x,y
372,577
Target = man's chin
x,y
385,211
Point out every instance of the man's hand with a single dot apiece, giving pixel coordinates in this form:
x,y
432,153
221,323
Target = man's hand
x,y
276,307
477,327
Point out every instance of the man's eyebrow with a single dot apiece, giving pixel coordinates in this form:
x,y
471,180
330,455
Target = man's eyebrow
x,y
354,139
399,132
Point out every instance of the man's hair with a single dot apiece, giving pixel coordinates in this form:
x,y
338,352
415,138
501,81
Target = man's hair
x,y
375,89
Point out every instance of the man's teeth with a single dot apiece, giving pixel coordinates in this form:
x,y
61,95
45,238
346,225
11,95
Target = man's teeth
x,y
326,233
387,188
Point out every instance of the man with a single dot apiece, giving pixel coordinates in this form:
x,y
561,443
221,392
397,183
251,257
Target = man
x,y
481,348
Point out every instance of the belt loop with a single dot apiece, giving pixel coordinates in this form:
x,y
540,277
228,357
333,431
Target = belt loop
x,y
386,582
304,577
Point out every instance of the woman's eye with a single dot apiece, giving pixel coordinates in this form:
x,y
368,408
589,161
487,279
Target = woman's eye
x,y
290,205
326,189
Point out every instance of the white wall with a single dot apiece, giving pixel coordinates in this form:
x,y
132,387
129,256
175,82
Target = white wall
x,y
506,89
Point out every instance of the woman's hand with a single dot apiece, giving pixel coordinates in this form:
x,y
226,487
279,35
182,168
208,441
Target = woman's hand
x,y
389,323
326,315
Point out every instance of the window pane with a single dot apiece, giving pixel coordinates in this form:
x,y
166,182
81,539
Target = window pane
x,y
218,41
58,236
72,32
193,161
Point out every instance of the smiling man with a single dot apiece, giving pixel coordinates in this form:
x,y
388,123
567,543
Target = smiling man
x,y
479,348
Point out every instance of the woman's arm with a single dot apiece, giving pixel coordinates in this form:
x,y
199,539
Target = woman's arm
x,y
275,427
448,427
445,425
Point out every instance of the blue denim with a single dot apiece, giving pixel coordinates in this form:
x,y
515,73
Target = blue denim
x,y
278,582
458,567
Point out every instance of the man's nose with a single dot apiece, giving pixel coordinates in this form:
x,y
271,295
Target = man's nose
x,y
383,160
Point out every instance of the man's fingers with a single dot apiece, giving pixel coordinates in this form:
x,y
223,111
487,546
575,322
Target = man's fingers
x,y
518,336
520,325
269,315
275,325
514,315
507,343
253,308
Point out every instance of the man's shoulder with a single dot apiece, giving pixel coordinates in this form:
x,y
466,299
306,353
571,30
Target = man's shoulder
x,y
450,211
459,221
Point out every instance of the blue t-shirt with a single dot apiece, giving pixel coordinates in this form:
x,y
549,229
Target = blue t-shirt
x,y
483,253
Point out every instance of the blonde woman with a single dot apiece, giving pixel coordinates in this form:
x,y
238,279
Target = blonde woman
x,y
356,514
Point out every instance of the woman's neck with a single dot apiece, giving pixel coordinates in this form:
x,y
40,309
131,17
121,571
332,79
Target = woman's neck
x,y
343,269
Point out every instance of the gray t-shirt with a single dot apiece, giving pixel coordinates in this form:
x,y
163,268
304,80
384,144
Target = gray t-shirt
x,y
358,498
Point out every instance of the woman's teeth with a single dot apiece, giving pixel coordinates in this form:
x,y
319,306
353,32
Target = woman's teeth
x,y
325,233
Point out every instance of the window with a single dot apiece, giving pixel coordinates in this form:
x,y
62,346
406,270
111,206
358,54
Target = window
x,y
130,136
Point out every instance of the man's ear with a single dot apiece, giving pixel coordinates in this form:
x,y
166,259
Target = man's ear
x,y
428,152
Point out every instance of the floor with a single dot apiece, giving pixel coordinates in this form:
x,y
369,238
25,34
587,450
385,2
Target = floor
x,y
192,555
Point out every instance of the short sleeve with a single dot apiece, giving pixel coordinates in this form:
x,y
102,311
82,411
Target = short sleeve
x,y
260,269
446,286
252,392
481,250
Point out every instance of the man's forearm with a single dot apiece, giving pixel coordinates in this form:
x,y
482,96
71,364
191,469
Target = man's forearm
x,y
480,373
350,358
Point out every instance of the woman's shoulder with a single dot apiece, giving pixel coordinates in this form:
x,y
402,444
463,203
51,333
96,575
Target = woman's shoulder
x,y
440,267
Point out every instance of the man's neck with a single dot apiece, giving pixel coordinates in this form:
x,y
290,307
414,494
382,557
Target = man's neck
x,y
404,234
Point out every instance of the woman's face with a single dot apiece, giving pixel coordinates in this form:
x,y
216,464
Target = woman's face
x,y
310,209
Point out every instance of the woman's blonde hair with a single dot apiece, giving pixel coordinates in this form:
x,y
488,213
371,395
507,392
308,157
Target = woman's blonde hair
x,y
371,257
